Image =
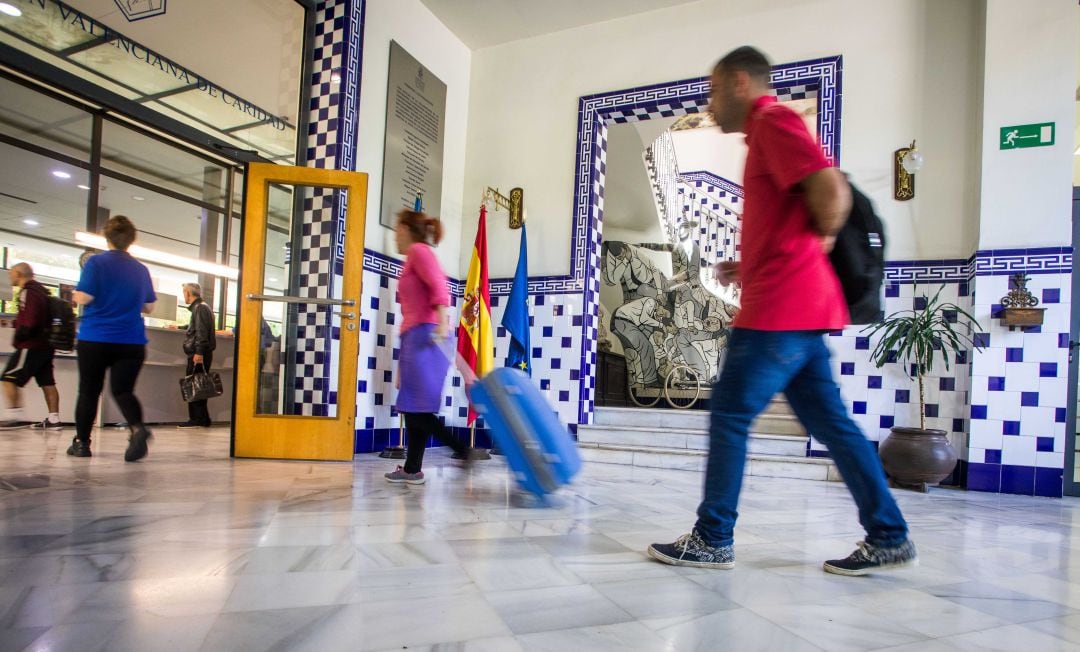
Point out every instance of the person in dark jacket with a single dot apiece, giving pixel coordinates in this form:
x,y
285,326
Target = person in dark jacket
x,y
33,356
199,345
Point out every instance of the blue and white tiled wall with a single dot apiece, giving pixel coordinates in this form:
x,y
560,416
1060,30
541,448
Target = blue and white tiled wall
x,y
1003,406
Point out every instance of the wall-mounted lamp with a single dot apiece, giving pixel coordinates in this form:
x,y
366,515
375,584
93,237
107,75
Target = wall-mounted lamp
x,y
514,204
906,162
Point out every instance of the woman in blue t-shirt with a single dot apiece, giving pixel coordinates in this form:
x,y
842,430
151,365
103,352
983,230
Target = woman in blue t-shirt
x,y
115,290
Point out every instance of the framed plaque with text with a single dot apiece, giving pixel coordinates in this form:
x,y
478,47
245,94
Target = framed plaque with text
x,y
415,132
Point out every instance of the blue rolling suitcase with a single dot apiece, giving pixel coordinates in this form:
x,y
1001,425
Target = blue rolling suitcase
x,y
536,445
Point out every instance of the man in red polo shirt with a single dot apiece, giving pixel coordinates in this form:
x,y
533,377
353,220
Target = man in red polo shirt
x,y
796,202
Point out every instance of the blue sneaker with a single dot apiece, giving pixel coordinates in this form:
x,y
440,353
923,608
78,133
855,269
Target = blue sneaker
x,y
691,550
868,558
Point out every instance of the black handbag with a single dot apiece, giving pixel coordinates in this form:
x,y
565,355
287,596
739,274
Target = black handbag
x,y
200,385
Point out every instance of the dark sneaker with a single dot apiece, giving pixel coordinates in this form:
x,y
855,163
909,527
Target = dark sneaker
x,y
190,425
868,558
47,425
398,476
137,448
79,448
691,550
12,424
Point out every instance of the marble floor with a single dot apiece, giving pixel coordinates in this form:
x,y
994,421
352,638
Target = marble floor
x,y
190,550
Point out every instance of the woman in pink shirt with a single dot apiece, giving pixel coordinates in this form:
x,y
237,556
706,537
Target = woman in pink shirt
x,y
423,360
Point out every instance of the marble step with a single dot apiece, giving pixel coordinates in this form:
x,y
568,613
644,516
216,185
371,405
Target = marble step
x,y
675,438
777,420
773,466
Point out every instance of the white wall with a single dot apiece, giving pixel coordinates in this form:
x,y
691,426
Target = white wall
x,y
524,101
413,26
1030,77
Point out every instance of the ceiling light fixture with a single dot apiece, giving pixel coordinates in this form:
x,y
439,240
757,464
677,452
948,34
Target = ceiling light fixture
x,y
83,186
60,174
29,221
162,257
10,9
138,198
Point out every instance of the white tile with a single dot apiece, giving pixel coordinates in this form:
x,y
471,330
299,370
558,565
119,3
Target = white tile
x,y
1022,376
1036,421
976,455
985,433
1053,392
1054,460
1018,451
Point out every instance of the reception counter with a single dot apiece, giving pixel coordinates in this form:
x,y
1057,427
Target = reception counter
x,y
158,387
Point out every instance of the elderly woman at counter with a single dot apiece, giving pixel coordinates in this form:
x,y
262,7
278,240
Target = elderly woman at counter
x,y
115,289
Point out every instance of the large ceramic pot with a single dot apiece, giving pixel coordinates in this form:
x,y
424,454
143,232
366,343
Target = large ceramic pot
x,y
915,458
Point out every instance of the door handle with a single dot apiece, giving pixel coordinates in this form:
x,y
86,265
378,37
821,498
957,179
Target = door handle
x,y
311,301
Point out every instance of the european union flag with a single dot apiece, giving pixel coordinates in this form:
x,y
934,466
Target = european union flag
x,y
516,318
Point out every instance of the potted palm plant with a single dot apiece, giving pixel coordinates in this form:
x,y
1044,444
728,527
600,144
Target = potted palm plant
x,y
918,457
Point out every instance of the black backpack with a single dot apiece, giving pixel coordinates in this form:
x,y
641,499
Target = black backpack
x,y
61,329
859,259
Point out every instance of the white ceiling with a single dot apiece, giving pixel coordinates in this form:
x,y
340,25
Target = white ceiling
x,y
483,23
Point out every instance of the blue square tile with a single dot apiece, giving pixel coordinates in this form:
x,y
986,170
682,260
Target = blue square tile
x,y
374,303
1014,355
537,353
862,343
384,282
873,382
958,425
886,421
919,303
390,318
545,384
978,411
892,290
931,410
947,384
996,383
1060,415
993,456
371,363
847,368
1033,329
576,321
982,340
378,399
387,376
1010,427
1029,399
380,340
361,387
567,342
903,396
1048,482
456,381
1018,480
858,407
369,422
548,331
961,357
1048,370
984,477
1051,295
564,396
964,289
1063,340
1044,444
365,325
538,300
556,363
950,316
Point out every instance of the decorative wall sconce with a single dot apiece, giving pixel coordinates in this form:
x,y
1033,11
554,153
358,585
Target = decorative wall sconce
x,y
906,162
1018,307
514,204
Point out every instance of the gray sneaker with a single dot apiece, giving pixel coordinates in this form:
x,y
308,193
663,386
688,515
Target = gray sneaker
x,y
12,424
398,475
868,558
691,550
47,425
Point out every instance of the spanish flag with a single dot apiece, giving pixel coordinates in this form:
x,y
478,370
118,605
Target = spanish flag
x,y
475,342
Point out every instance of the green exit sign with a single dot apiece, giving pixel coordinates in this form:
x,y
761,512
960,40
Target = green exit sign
x,y
1018,136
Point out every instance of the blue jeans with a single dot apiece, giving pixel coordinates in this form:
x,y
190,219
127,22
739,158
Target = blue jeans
x,y
760,364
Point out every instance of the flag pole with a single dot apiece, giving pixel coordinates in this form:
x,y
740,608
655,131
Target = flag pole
x,y
396,452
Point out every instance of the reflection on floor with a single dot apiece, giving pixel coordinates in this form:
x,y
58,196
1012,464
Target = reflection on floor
x,y
190,550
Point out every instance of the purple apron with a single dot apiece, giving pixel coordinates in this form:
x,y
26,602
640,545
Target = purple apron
x,y
422,366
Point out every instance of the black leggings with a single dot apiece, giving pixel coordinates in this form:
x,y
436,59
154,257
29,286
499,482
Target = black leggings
x,y
419,426
95,358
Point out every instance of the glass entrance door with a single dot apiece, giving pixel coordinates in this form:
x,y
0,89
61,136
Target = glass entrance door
x,y
300,288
